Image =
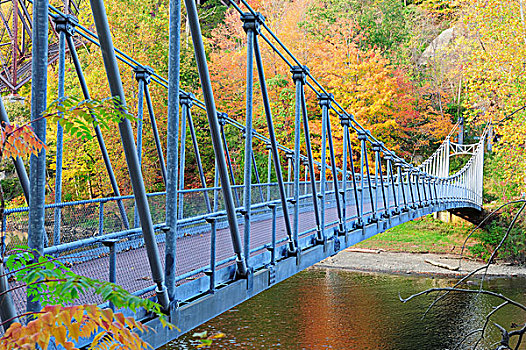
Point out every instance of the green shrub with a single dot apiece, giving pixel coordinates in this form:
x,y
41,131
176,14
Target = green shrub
x,y
514,248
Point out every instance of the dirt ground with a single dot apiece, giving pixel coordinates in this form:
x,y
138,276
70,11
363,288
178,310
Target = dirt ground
x,y
428,264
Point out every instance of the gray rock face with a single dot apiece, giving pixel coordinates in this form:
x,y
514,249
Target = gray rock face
x,y
438,44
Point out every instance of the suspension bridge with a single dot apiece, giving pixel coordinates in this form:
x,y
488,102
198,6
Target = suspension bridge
x,y
201,251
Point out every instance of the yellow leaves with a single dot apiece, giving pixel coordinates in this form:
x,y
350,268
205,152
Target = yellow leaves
x,y
107,314
65,323
74,331
60,334
218,336
494,46
207,340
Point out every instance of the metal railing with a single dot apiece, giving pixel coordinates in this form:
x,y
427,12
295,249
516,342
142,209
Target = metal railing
x,y
290,200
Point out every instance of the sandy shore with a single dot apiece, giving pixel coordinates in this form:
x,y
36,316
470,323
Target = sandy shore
x,y
427,264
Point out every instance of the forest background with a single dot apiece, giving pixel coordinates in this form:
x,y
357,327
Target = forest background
x,y
369,54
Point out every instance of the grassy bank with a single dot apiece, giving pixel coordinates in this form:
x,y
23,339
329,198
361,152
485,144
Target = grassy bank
x,y
421,235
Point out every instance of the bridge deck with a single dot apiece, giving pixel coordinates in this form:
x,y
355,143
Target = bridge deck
x,y
193,255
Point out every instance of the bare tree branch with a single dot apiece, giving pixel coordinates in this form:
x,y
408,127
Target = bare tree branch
x,y
504,343
490,260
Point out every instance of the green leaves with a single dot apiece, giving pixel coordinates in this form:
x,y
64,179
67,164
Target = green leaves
x,y
80,117
52,282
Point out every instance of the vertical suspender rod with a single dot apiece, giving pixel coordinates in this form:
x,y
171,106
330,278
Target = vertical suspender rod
x,y
215,132
130,151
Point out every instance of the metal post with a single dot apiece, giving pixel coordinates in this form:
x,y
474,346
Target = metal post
x,y
461,131
274,144
359,212
425,200
409,171
395,185
216,186
60,139
401,186
361,136
376,155
37,169
211,273
185,107
306,171
344,173
437,199
289,156
390,179
299,75
297,151
325,103
130,151
490,139
417,178
379,169
446,159
222,122
140,119
323,165
269,170
250,25
142,74
431,199
272,207
188,101
67,25
101,218
258,179
172,144
211,112
373,204
110,243
139,76
155,131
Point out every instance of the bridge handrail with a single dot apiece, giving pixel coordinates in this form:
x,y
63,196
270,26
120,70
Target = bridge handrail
x,y
357,126
128,60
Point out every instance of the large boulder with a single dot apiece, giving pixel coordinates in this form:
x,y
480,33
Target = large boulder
x,y
437,45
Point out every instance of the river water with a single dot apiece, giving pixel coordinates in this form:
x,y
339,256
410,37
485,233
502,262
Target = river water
x,y
337,309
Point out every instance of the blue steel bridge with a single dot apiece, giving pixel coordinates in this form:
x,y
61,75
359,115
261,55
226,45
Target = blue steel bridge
x,y
199,252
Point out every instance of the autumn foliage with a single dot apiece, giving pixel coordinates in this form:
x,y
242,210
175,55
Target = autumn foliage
x,y
50,282
72,323
380,96
347,48
364,52
19,140
493,44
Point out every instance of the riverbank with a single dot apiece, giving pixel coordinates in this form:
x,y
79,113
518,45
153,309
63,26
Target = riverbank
x,y
403,263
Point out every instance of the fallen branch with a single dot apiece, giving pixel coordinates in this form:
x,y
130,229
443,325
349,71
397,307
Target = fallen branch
x,y
442,265
364,250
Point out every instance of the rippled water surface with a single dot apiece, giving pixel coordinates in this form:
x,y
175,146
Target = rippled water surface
x,y
335,309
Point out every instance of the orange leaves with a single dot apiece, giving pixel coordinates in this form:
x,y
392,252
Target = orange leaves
x,y
379,95
66,323
19,140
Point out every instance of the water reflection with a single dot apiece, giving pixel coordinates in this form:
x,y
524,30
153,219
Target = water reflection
x,y
334,309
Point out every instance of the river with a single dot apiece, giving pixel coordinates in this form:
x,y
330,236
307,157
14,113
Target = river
x,y
337,309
